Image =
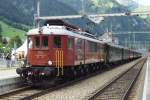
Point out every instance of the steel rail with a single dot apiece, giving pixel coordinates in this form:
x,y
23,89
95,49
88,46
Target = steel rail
x,y
37,93
14,91
42,92
107,85
124,97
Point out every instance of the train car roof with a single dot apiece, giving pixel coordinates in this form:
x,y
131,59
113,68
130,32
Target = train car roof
x,y
122,47
62,30
117,46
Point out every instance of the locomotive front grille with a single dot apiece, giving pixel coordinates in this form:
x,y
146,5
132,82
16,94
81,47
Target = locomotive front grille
x,y
59,62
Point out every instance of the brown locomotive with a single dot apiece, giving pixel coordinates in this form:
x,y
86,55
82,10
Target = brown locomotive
x,y
62,50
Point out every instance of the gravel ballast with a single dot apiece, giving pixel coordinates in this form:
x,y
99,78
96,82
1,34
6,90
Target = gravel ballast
x,y
82,89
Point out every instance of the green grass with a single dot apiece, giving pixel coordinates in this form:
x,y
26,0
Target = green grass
x,y
9,31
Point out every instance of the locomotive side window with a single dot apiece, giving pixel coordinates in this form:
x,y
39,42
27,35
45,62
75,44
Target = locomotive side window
x,y
45,41
57,42
70,42
79,43
36,42
92,46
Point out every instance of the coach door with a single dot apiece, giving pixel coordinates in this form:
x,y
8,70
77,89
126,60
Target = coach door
x,y
79,51
70,51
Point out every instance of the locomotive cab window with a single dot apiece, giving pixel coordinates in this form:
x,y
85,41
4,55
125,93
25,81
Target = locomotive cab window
x,y
57,42
30,43
45,41
36,42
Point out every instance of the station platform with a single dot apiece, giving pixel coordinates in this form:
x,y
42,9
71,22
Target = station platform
x,y
146,90
8,73
9,79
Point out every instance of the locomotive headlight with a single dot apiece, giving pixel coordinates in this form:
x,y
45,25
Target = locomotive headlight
x,y
29,73
49,62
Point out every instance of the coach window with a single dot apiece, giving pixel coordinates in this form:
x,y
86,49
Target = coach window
x,y
36,42
57,42
70,43
45,41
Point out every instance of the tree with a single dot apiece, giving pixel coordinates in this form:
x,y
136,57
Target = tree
x,y
4,41
1,47
0,29
15,40
0,33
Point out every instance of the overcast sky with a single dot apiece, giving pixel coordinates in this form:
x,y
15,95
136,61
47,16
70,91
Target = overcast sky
x,y
143,2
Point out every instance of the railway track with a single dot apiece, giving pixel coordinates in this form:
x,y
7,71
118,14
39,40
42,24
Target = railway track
x,y
20,93
119,87
28,93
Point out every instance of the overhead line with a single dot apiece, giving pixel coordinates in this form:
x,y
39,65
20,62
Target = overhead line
x,y
93,15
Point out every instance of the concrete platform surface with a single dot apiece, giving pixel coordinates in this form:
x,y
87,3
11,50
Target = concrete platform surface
x,y
146,91
9,73
9,80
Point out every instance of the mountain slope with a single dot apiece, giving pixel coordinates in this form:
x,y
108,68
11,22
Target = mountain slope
x,y
22,11
9,10
9,31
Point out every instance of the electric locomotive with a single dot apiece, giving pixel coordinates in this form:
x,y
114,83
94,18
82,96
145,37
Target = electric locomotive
x,y
59,49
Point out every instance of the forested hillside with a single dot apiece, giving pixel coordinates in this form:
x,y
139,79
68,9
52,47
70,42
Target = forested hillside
x,y
22,11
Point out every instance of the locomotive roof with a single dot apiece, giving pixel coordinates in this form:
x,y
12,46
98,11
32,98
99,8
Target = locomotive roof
x,y
60,23
61,30
117,46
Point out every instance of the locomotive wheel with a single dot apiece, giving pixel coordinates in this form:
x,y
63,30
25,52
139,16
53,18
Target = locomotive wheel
x,y
97,67
94,68
87,70
83,71
75,74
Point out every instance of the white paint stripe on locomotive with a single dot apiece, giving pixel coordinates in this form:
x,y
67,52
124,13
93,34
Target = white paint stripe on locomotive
x,y
60,30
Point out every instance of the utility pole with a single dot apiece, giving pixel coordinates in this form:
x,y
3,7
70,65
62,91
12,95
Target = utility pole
x,y
134,40
38,13
83,11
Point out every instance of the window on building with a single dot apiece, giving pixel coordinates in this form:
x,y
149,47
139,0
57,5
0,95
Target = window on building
x,y
45,41
57,42
70,42
36,42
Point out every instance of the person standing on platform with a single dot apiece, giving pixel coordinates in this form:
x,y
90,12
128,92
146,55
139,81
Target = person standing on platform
x,y
13,60
8,58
